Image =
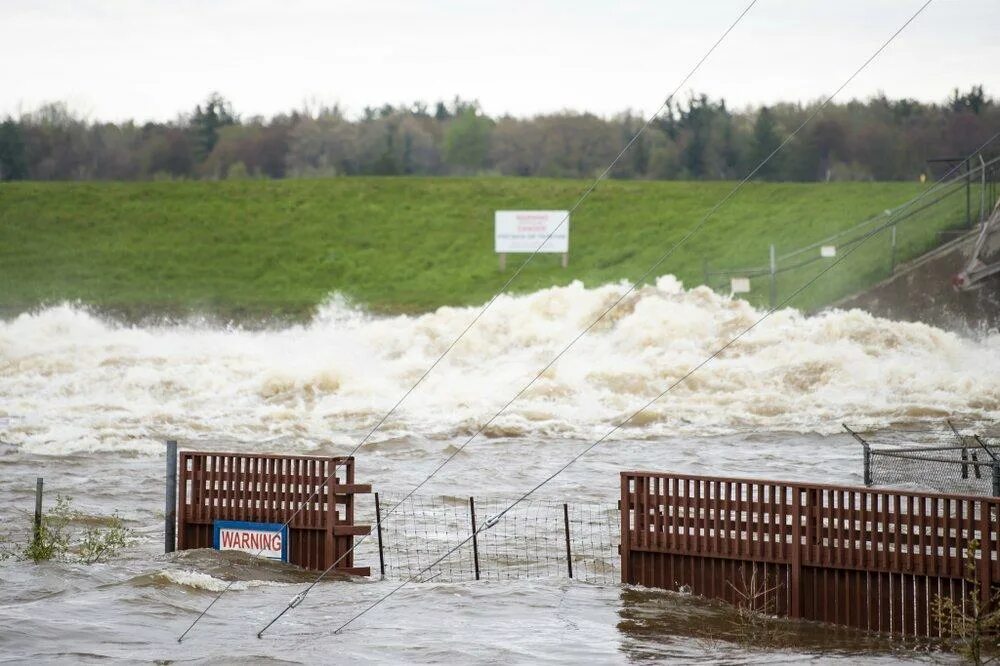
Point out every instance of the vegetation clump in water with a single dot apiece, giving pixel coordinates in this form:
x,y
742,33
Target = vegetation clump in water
x,y
973,626
66,535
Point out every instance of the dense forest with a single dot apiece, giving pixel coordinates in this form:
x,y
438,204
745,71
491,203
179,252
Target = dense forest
x,y
700,138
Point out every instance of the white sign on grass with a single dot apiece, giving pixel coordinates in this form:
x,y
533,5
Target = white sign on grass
x,y
828,251
740,285
525,230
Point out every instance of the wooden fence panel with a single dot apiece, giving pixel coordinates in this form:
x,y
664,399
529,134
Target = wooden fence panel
x,y
269,488
873,559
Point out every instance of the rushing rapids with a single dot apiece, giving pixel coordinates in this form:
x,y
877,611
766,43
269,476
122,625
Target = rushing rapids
x,y
71,381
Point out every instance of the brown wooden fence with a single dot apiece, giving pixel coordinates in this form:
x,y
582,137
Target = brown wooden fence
x,y
862,557
269,489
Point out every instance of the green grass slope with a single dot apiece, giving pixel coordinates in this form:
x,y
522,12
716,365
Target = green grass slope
x,y
248,249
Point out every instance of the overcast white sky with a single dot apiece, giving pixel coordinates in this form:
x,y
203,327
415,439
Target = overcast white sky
x,y
117,59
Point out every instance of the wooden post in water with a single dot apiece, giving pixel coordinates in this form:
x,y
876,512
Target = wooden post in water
x,y
37,533
170,505
625,520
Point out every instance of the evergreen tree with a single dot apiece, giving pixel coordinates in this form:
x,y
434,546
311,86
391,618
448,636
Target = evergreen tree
x,y
206,123
13,162
764,141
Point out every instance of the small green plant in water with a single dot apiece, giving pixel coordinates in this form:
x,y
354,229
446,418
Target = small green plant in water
x,y
972,625
755,624
57,537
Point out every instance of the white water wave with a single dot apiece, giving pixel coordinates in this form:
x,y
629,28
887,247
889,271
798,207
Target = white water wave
x,y
73,382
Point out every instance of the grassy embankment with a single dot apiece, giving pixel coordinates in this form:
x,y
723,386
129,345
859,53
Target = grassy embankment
x,y
252,249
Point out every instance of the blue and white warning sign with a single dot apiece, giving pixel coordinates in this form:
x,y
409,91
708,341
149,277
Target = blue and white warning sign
x,y
268,540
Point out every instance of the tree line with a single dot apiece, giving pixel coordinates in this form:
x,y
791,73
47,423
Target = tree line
x,y
699,138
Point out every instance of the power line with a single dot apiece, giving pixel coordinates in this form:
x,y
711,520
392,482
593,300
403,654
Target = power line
x,y
503,289
301,596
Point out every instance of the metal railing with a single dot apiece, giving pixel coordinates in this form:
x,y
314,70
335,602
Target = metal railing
x,y
911,231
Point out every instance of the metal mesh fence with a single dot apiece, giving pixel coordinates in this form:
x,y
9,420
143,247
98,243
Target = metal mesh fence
x,y
971,469
528,542
946,461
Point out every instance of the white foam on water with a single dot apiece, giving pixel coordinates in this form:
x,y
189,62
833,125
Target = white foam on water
x,y
203,581
73,382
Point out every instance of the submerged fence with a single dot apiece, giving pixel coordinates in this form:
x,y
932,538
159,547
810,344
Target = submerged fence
x,y
537,539
903,233
866,558
314,495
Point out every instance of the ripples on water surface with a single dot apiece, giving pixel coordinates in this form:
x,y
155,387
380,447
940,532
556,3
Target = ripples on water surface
x,y
86,403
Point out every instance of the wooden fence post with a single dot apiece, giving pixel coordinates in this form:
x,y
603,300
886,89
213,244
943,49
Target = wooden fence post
x,y
795,577
623,513
985,552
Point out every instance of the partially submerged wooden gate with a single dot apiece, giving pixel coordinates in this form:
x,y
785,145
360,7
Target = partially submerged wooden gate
x,y
868,558
268,488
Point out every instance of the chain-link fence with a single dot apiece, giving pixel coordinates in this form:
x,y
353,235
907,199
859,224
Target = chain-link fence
x,y
889,238
537,539
946,460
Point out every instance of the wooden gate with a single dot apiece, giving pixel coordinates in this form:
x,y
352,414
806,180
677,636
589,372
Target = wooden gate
x,y
868,558
268,488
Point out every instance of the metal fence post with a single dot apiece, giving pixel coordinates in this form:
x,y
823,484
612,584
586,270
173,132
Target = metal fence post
x,y
982,189
774,278
968,195
378,530
867,453
569,554
170,510
892,251
475,541
868,464
37,532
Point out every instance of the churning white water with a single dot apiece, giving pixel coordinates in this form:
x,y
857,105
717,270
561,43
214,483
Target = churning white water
x,y
72,382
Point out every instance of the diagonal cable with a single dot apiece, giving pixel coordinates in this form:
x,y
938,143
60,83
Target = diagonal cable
x,y
502,290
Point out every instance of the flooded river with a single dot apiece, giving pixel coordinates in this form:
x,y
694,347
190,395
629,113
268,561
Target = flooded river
x,y
86,403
